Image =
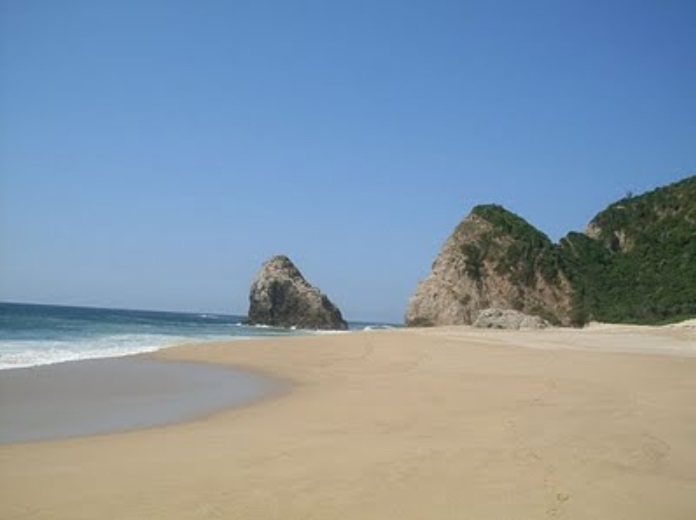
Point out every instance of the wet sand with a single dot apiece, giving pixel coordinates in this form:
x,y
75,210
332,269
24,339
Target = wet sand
x,y
112,395
412,424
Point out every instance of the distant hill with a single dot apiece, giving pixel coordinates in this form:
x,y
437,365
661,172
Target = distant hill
x,y
635,263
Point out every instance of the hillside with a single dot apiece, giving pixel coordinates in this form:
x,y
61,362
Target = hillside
x,y
635,263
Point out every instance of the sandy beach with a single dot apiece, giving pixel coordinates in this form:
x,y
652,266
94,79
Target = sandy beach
x,y
407,424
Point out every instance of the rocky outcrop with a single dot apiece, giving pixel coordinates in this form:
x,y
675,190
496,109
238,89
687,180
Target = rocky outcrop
x,y
281,297
492,259
508,319
616,240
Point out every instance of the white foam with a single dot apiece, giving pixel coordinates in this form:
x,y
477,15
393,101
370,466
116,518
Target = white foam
x,y
29,353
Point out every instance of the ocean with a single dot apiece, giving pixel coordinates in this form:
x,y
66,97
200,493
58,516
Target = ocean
x,y
32,335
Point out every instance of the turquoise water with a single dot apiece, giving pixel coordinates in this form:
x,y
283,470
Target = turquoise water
x,y
32,335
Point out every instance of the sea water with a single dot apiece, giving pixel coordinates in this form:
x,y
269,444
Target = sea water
x,y
42,396
45,397
32,335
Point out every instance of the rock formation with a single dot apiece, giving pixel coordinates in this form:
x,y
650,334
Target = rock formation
x,y
492,259
635,263
508,319
281,297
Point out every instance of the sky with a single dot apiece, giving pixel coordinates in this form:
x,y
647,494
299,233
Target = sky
x,y
154,153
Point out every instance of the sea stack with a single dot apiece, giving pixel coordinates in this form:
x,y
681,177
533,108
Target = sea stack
x,y
281,297
492,259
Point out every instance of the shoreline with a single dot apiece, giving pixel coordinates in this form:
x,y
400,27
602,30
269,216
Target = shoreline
x,y
402,423
108,396
276,385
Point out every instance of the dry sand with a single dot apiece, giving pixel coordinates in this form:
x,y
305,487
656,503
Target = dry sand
x,y
423,424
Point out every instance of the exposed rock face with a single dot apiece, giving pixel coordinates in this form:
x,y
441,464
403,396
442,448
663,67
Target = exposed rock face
x,y
508,319
281,297
616,241
492,259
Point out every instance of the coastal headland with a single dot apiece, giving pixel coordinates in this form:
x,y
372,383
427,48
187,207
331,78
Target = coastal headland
x,y
451,422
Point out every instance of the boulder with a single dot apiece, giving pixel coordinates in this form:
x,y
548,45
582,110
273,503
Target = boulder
x,y
508,319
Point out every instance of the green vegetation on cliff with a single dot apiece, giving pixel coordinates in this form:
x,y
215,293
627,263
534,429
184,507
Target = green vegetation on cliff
x,y
639,263
530,251
635,264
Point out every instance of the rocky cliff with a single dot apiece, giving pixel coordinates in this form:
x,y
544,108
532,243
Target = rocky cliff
x,y
492,259
281,297
635,263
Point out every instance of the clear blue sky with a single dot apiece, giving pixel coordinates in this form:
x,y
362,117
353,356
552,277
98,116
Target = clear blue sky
x,y
154,153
